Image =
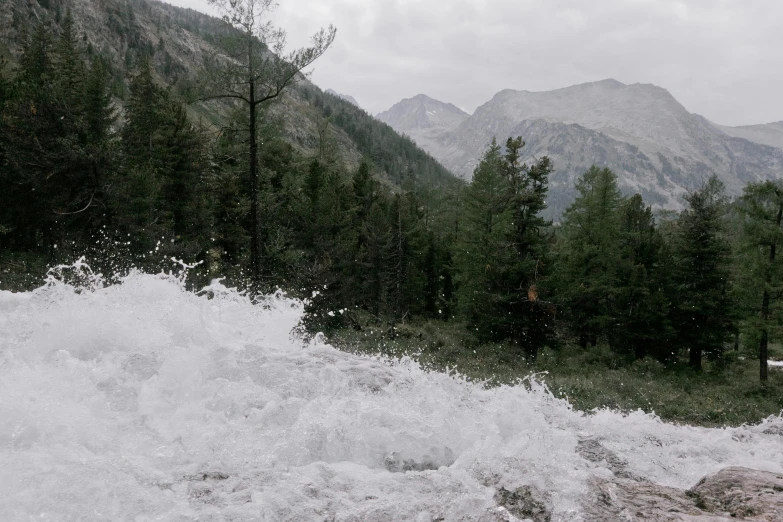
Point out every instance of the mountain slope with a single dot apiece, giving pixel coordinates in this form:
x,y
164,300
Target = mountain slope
x,y
178,39
422,113
770,134
425,120
653,143
346,97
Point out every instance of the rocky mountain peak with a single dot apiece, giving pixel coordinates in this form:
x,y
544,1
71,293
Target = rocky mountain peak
x,y
640,131
422,112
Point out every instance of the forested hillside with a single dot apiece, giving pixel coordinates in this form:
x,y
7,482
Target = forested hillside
x,y
105,139
124,138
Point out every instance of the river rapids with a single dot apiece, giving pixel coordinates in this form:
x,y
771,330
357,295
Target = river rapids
x,y
142,401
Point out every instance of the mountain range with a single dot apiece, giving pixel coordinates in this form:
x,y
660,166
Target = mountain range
x,y
654,145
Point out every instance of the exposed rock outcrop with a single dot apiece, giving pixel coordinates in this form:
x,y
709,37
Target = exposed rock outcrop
x,y
733,493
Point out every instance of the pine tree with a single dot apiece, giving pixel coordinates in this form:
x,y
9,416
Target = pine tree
x,y
100,112
159,193
762,207
253,77
701,304
69,69
642,324
56,186
502,251
482,249
529,317
589,255
407,246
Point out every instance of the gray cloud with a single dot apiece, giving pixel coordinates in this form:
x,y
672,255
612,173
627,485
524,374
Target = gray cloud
x,y
720,58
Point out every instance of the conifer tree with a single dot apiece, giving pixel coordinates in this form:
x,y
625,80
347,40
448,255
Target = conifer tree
x,y
762,207
482,247
68,67
100,112
589,255
528,315
407,246
164,159
701,304
55,186
502,252
255,72
642,324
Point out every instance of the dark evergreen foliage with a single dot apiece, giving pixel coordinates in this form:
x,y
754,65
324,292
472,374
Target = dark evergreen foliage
x,y
701,300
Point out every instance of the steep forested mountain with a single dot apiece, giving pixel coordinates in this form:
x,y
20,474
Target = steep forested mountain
x,y
640,131
178,40
112,147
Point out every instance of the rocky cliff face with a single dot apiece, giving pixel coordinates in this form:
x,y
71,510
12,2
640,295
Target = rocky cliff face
x,y
655,146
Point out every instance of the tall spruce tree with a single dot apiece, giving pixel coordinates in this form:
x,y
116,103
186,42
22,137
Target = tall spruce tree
x,y
641,325
482,248
762,208
159,192
701,304
502,253
588,256
529,316
6,179
56,187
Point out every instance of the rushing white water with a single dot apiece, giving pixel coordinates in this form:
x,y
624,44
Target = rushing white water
x,y
141,401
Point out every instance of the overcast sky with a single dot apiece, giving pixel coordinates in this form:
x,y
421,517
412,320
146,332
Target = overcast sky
x,y
722,59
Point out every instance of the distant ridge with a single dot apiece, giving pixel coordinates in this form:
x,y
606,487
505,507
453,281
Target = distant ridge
x,y
346,97
655,146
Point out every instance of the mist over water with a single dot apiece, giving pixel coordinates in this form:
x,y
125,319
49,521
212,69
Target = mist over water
x,y
143,401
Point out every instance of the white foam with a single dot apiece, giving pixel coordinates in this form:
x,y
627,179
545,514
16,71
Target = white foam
x,y
143,401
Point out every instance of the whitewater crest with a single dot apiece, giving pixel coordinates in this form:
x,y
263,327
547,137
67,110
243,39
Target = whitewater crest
x,y
143,401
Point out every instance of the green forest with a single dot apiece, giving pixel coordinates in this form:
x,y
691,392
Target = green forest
x,y
624,307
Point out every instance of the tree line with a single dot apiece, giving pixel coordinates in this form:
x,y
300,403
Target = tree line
x,y
685,285
78,167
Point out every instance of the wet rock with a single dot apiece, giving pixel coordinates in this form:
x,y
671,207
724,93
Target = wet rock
x,y
625,499
774,430
526,503
140,367
730,494
742,493
592,450
207,475
395,463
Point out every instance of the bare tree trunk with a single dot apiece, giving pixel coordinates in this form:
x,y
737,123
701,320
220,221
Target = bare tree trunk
x,y
255,244
695,357
764,343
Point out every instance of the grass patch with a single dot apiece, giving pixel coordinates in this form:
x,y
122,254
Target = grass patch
x,y
728,394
